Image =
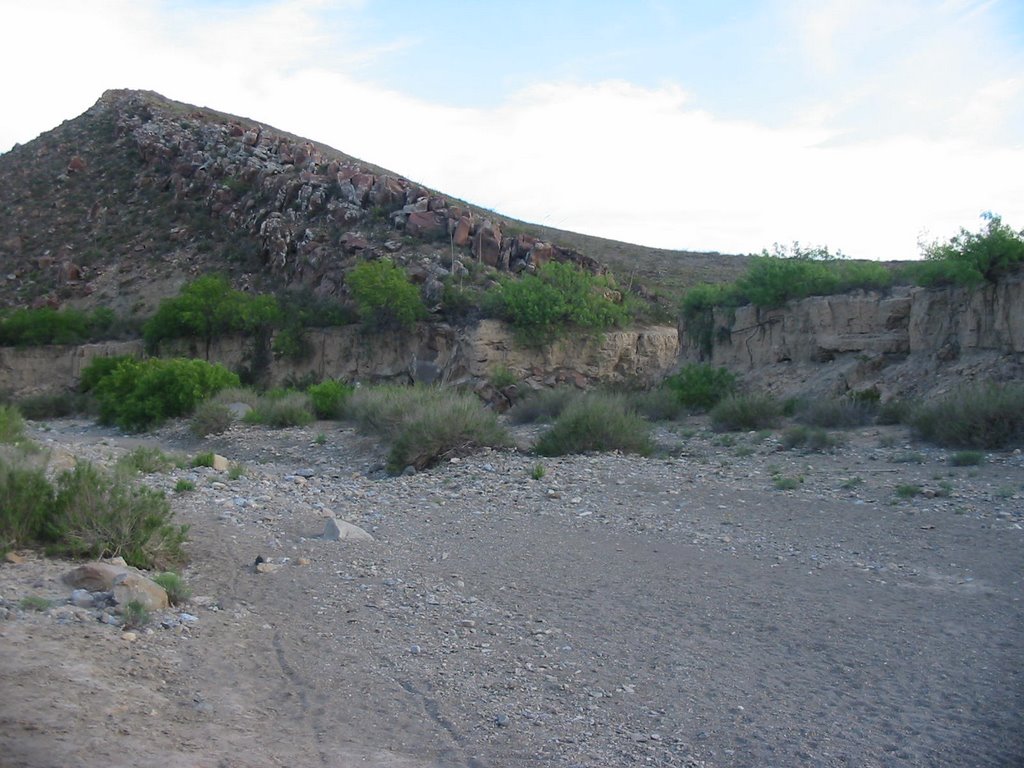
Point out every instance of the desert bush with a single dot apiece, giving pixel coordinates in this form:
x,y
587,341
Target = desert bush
x,y
177,591
967,458
204,459
136,616
658,404
96,514
145,460
502,376
893,412
542,405
985,417
289,409
98,369
51,406
700,386
384,296
808,438
33,327
745,412
597,422
26,501
184,486
457,425
835,412
137,395
971,258
328,398
232,395
210,418
542,307
425,424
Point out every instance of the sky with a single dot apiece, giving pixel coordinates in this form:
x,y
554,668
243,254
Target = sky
x,y
868,126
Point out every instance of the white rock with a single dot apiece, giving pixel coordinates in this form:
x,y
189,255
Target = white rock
x,y
336,530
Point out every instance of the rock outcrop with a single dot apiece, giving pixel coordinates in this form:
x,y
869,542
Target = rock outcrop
x,y
908,340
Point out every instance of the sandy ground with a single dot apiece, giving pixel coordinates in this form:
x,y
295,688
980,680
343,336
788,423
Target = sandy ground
x,y
678,610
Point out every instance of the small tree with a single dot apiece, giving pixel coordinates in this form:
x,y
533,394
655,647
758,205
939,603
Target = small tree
x,y
971,258
384,296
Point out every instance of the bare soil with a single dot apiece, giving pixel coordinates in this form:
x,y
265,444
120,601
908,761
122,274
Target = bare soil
x,y
678,611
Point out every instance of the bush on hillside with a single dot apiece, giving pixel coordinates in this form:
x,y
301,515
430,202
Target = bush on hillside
x,y
542,307
384,296
137,395
987,417
971,258
597,422
34,327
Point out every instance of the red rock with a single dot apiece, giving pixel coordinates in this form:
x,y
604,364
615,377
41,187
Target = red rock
x,y
235,130
352,242
462,229
77,165
425,224
487,244
363,183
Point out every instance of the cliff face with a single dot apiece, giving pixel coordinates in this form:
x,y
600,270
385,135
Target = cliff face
x,y
910,340
434,353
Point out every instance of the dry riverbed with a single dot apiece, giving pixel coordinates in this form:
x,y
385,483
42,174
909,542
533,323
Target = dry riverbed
x,y
725,603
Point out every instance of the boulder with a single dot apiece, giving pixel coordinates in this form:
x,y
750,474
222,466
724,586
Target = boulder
x,y
487,245
337,530
130,587
462,229
425,224
95,577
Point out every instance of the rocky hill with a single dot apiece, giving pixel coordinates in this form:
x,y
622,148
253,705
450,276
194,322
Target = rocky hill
x,y
123,204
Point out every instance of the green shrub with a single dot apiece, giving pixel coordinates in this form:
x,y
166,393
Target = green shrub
x,y
656,405
782,483
177,591
145,460
207,308
236,470
204,459
26,501
384,296
138,395
984,417
971,258
183,486
893,412
457,425
135,615
698,312
99,368
12,425
542,405
328,398
293,409
835,413
210,418
967,458
502,376
597,422
908,491
746,413
34,327
100,515
700,386
542,307
809,438
538,472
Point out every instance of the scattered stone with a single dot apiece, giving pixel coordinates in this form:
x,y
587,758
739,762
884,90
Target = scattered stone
x,y
220,463
131,637
82,598
14,558
264,567
337,530
133,587
501,720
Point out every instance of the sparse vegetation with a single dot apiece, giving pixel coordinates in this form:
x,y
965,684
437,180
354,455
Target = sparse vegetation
x,y
981,417
145,460
236,470
210,418
745,413
538,471
502,376
809,438
12,425
34,603
135,615
184,486
543,405
204,459
967,458
908,490
835,413
781,483
282,409
35,327
597,422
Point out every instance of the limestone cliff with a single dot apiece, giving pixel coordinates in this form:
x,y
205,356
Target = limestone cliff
x,y
909,340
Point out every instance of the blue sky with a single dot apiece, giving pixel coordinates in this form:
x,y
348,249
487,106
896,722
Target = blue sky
x,y
861,124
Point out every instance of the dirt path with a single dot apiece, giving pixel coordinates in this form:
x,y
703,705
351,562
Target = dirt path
x,y
670,611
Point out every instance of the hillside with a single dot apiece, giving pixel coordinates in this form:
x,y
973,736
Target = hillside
x,y
123,204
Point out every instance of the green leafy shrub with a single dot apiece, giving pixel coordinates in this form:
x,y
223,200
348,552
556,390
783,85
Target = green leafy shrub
x,y
328,398
26,501
597,422
210,418
96,514
384,296
538,472
542,405
177,591
34,327
746,413
99,368
908,491
502,376
204,459
135,615
425,424
782,483
184,486
137,395
835,413
542,307
287,409
971,258
207,308
985,417
700,386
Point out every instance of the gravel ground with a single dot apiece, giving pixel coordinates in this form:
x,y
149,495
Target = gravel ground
x,y
680,610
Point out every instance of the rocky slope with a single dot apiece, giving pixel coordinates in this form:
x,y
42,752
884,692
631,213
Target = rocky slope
x,y
123,204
